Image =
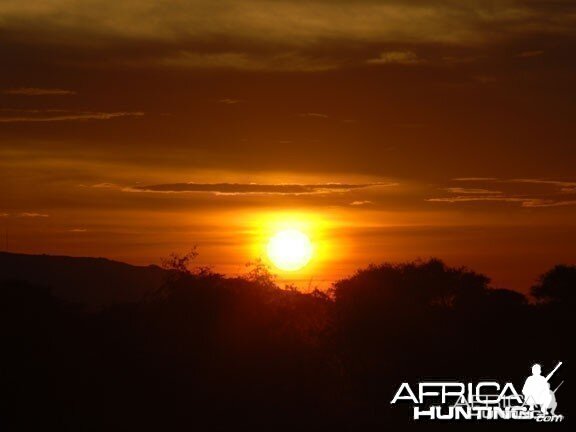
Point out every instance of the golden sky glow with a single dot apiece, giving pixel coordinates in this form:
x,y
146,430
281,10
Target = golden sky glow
x,y
384,130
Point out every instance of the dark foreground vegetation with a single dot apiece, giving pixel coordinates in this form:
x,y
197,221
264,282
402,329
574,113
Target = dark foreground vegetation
x,y
206,352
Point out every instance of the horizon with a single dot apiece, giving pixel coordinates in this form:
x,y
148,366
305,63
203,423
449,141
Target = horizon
x,y
279,277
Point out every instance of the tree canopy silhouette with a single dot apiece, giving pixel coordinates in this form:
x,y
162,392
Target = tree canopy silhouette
x,y
206,350
557,285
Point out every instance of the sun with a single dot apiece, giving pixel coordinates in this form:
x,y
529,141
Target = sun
x,y
290,249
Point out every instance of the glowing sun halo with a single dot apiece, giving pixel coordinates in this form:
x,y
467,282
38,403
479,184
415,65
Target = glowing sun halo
x,y
290,250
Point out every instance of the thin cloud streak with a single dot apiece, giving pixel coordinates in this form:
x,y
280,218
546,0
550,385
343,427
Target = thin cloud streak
x,y
35,116
244,61
548,203
314,115
25,215
460,190
525,202
396,57
35,91
528,54
253,188
560,192
229,101
474,179
546,182
33,215
458,199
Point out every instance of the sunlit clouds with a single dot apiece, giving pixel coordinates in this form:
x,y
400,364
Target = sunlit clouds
x,y
58,115
530,193
281,35
254,188
396,57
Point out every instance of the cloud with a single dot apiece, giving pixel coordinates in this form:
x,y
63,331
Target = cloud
x,y
549,193
272,35
78,230
4,215
548,203
458,199
35,91
253,188
472,191
288,61
528,54
229,101
475,179
313,115
39,116
562,186
464,59
105,186
33,215
295,22
360,203
396,57
524,202
561,183
485,79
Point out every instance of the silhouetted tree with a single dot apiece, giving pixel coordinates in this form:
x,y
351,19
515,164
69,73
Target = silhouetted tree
x,y
180,263
259,272
223,353
557,285
415,284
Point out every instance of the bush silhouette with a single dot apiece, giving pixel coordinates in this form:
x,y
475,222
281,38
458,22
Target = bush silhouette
x,y
216,352
557,285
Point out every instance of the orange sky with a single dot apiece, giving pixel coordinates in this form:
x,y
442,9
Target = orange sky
x,y
134,129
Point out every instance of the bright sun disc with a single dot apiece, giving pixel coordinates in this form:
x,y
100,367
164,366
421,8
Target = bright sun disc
x,y
290,250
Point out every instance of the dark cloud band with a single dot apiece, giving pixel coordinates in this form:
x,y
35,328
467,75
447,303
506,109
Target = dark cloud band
x,y
254,188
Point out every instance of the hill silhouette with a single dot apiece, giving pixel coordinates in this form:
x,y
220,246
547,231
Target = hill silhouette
x,y
91,281
205,351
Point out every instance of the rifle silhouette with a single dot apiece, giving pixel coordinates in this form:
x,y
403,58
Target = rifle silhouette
x,y
553,371
554,391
